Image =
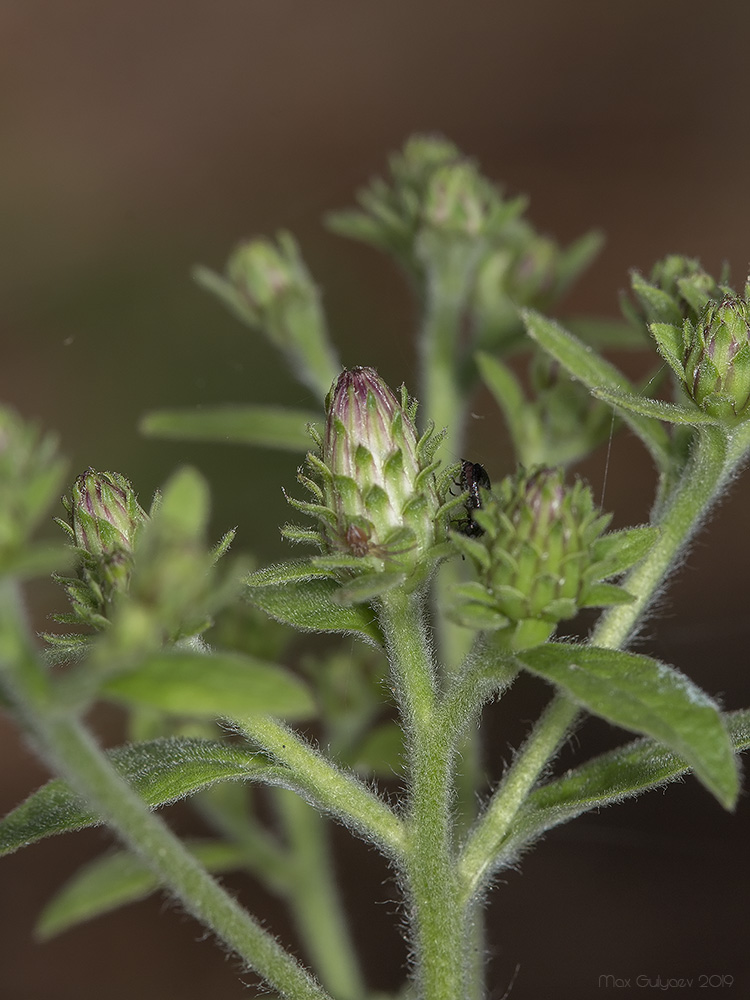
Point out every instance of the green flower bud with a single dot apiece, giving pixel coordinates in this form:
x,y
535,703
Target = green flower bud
x,y
717,364
104,518
268,287
263,274
540,554
378,502
457,200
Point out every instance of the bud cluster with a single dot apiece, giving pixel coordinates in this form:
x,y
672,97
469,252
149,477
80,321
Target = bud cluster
x,y
542,553
437,207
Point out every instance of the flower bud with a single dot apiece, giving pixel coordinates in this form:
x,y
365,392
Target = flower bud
x,y
378,498
268,286
539,556
104,518
717,365
457,200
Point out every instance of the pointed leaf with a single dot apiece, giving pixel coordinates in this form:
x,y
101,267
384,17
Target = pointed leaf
x,y
604,595
657,408
367,586
609,778
262,426
619,550
506,389
313,605
671,347
292,571
577,257
37,560
218,685
647,697
119,878
162,771
657,303
584,364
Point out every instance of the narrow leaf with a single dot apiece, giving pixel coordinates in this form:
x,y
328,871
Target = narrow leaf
x,y
506,389
648,697
119,878
312,605
609,778
622,549
262,426
656,408
586,365
217,685
161,771
292,571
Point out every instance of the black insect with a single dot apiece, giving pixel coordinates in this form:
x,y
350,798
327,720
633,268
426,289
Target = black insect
x,y
473,477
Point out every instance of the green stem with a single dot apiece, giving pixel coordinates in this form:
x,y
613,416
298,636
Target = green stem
x,y
710,466
314,900
328,788
439,927
71,751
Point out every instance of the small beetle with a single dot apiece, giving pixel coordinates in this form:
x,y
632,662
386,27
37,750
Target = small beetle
x,y
473,478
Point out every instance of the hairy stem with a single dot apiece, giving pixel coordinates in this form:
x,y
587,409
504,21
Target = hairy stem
x,y
439,927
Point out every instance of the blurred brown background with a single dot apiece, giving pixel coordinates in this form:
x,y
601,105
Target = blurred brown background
x,y
141,138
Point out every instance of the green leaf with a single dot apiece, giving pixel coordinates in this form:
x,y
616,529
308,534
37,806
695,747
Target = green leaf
x,y
263,426
576,258
648,697
161,771
312,605
218,685
603,595
609,778
656,408
619,550
520,416
659,305
120,878
586,365
367,586
37,560
292,571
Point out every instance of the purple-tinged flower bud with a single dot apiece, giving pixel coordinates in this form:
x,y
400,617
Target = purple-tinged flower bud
x,y
104,517
717,365
377,499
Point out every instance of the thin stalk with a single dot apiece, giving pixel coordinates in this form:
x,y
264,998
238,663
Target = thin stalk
x,y
439,927
327,787
314,900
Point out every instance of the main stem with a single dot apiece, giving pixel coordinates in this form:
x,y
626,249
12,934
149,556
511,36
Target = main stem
x,y
439,926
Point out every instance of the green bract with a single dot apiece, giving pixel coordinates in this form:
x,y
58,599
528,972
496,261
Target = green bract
x,y
374,483
541,554
678,289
